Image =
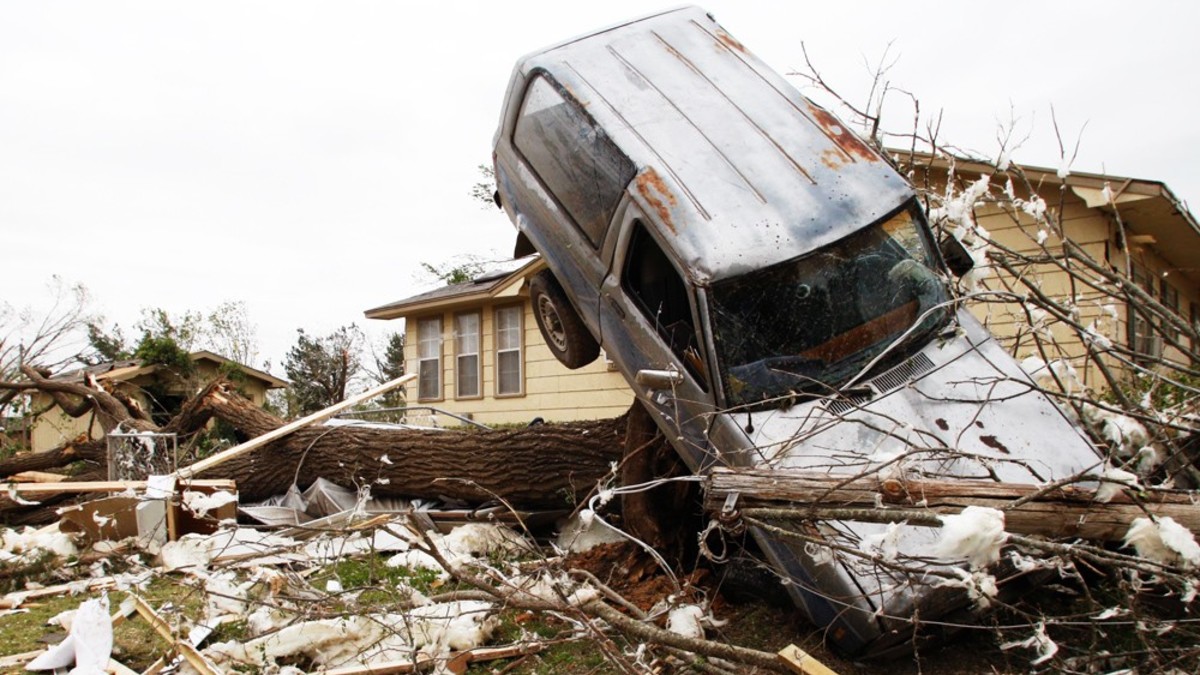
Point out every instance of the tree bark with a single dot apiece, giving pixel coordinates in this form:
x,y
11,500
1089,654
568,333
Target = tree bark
x,y
78,399
658,516
78,449
546,466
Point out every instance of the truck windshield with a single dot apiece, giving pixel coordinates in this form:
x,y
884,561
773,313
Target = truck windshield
x,y
805,327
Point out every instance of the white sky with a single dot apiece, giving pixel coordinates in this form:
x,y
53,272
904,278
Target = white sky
x,y
305,157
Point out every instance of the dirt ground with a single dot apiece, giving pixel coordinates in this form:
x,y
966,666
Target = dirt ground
x,y
769,625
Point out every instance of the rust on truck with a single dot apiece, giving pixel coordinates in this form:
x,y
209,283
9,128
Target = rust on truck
x,y
651,187
730,41
838,133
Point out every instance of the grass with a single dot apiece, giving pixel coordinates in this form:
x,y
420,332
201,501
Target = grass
x,y
378,586
565,654
135,642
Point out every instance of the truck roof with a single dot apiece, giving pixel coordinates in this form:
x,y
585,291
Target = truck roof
x,y
740,168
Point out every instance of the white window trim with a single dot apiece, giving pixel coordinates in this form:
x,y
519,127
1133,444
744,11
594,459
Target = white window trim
x,y
519,349
459,355
440,394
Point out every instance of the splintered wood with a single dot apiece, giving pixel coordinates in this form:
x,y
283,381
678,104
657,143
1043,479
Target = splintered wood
x,y
1067,511
799,661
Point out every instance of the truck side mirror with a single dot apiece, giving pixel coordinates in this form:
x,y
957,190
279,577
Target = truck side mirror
x,y
659,379
957,258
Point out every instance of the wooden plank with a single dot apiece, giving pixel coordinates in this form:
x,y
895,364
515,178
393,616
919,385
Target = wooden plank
x,y
386,668
285,430
463,660
19,660
24,489
1069,511
799,661
189,653
18,598
457,664
37,477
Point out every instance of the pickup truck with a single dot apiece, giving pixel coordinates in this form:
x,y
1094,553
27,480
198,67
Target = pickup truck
x,y
769,286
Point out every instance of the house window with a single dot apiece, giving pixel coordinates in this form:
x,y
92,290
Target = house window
x,y
429,359
1147,332
1170,300
466,354
508,350
1143,339
576,160
1195,318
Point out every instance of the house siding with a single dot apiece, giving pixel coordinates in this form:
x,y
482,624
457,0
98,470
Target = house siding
x,y
550,391
1096,232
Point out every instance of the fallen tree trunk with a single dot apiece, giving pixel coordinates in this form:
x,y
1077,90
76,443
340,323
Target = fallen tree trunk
x,y
78,449
1067,511
545,466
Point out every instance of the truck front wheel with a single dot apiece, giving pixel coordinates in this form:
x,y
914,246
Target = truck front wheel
x,y
563,330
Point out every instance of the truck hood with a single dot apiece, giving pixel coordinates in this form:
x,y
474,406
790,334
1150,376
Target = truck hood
x,y
961,407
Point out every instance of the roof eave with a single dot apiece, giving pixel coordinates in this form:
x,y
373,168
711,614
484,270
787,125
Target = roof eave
x,y
403,308
271,381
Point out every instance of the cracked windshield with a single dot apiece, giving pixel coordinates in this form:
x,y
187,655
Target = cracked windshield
x,y
807,326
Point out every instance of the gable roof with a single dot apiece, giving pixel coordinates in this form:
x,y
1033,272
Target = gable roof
x,y
127,369
480,289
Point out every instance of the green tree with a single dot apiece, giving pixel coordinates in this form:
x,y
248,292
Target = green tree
x,y
186,329
484,191
104,345
163,350
457,270
389,365
225,330
322,370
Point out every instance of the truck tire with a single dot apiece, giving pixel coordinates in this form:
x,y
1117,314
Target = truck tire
x,y
563,330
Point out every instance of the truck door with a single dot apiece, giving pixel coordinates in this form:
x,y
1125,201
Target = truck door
x,y
648,319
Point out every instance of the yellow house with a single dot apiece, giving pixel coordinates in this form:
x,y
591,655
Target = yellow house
x,y
156,388
479,354
1043,224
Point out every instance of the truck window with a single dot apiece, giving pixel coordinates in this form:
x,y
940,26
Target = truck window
x,y
660,294
579,164
806,326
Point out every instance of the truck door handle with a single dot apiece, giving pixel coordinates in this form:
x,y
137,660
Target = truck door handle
x,y
616,306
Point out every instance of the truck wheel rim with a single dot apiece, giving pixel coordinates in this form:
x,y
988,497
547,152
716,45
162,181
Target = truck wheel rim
x,y
552,323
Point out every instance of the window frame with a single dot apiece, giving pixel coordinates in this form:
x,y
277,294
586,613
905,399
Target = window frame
x,y
1169,296
1194,318
459,355
422,359
519,309
687,345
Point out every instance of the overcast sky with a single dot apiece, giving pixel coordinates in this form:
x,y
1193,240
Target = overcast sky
x,y
305,157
